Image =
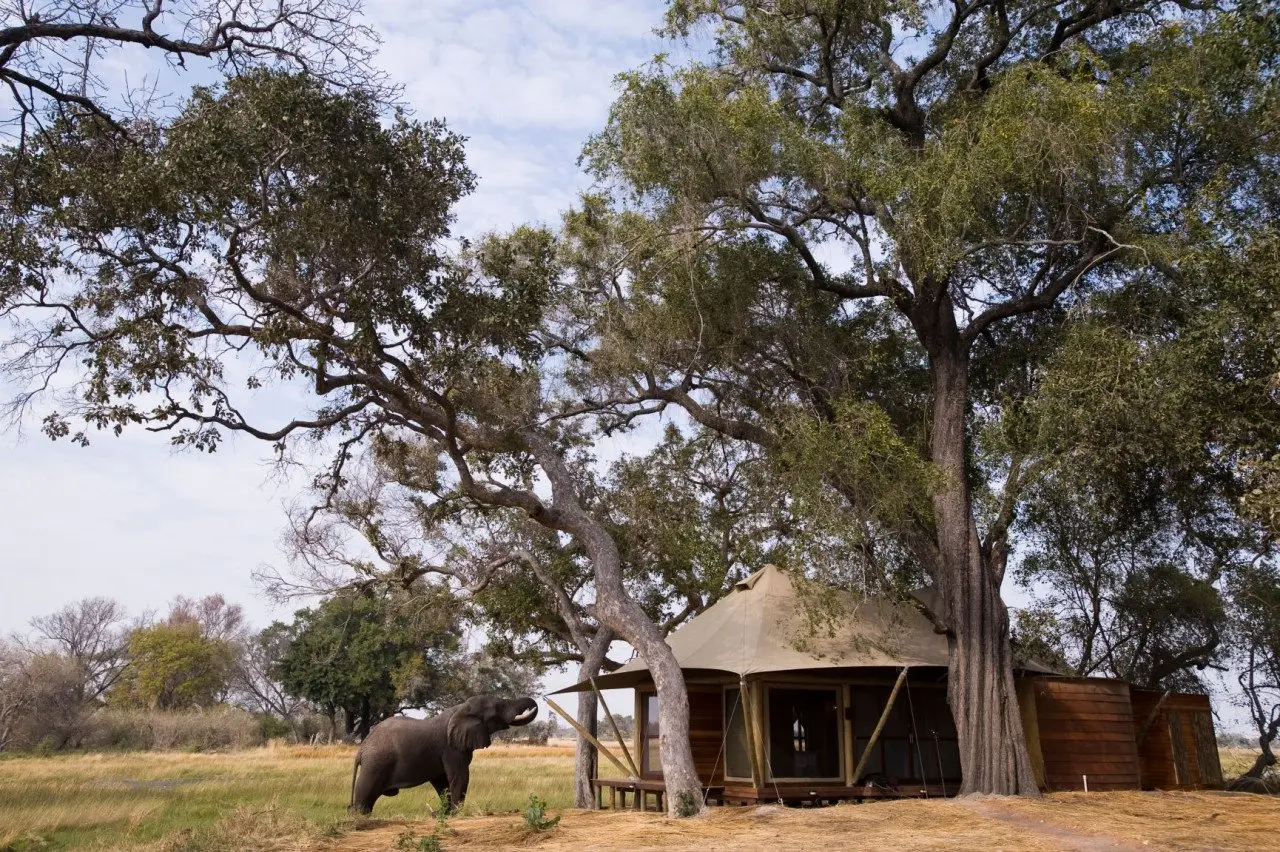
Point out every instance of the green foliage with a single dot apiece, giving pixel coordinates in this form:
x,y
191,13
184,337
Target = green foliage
x,y
1144,421
270,181
409,841
535,815
174,666
687,806
370,654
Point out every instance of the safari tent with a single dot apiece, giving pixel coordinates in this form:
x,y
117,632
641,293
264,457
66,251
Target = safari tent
x,y
781,711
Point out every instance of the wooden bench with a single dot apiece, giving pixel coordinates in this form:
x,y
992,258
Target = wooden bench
x,y
639,789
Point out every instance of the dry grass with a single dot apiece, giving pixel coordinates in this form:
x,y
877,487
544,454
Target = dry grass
x,y
1173,821
1237,761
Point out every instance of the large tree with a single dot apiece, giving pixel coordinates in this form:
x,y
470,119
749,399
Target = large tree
x,y
174,667
1254,634
691,516
926,190
369,655
285,232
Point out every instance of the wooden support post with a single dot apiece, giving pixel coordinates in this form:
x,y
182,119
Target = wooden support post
x,y
585,733
875,735
626,753
754,735
1141,737
846,757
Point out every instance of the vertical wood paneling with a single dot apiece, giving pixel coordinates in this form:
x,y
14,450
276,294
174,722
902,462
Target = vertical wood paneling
x,y
1210,764
1180,748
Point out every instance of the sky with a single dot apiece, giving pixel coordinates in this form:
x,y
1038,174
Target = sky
x,y
526,83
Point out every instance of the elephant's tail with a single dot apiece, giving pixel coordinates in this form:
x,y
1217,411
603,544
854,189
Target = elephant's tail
x,y
355,768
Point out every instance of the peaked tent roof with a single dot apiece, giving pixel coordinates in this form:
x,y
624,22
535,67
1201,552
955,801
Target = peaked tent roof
x,y
760,627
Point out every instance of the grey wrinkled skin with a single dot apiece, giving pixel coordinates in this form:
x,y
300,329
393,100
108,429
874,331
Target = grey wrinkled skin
x,y
401,752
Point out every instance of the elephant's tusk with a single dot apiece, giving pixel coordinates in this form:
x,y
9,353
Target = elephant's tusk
x,y
526,715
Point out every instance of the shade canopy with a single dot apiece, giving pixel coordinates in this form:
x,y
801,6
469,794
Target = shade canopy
x,y
761,626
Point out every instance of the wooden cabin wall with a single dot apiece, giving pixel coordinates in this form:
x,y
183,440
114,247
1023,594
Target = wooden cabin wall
x,y
1086,727
1178,750
706,733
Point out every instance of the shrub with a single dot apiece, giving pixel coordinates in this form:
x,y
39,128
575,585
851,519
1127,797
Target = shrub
x,y
535,815
155,730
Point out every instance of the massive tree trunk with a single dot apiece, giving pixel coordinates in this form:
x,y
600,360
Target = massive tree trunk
x,y
993,747
586,761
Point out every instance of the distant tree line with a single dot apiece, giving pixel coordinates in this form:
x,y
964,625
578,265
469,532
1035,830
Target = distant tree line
x,y
89,675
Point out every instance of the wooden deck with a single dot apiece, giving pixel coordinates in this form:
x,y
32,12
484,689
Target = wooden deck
x,y
789,793
640,790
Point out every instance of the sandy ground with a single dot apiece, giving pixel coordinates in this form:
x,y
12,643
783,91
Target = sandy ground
x,y
1068,821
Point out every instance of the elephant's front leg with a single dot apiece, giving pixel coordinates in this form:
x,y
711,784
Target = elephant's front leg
x,y
458,768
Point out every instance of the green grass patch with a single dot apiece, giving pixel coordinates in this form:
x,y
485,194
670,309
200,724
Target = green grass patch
x,y
185,802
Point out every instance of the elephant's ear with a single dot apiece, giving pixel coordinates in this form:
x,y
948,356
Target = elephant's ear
x,y
467,732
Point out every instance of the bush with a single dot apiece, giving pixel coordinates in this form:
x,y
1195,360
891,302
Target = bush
x,y
273,727
535,815
155,730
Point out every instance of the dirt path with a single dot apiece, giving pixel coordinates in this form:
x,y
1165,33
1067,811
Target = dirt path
x,y
1115,822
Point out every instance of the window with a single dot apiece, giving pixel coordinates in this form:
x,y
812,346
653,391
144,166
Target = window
x,y
737,755
650,757
918,743
804,733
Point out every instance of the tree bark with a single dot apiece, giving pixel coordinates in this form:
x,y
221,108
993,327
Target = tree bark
x,y
1268,758
993,747
616,610
362,730
1265,760
586,761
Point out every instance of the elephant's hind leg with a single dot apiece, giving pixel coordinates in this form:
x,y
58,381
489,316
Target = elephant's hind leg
x,y
370,784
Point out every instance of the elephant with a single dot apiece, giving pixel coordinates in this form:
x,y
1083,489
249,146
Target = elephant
x,y
401,752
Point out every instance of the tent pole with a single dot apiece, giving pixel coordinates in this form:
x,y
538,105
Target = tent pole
x,y
875,735
626,753
585,733
747,702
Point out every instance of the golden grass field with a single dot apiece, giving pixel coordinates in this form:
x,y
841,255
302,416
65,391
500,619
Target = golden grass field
x,y
293,799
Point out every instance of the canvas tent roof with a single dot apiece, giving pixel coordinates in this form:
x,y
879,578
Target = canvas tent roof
x,y
760,627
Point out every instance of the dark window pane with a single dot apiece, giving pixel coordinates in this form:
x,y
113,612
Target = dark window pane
x,y
875,763
898,759
652,759
736,752
804,733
